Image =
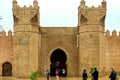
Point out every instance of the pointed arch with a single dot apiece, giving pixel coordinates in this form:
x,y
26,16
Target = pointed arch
x,y
7,69
58,53
58,60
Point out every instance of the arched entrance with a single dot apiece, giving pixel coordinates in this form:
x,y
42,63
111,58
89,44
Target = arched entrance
x,y
7,69
58,61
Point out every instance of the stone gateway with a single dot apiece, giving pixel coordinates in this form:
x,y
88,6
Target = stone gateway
x,y
71,48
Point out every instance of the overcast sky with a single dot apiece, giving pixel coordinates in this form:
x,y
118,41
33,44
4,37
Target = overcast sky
x,y
60,12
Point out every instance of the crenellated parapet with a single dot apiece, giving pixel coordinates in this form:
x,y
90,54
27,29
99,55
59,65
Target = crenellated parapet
x,y
112,34
91,15
84,6
112,37
35,5
26,15
6,38
3,33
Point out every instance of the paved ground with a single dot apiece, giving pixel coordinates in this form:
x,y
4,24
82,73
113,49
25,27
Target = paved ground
x,y
53,78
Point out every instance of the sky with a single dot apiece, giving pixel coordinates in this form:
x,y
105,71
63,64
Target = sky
x,y
59,13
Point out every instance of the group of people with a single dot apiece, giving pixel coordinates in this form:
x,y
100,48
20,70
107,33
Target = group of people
x,y
95,74
61,73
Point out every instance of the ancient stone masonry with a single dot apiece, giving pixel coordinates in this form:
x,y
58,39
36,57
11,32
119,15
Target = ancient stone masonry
x,y
26,37
33,47
112,50
6,48
91,35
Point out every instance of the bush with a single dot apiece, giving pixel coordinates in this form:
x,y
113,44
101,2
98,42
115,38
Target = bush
x,y
34,75
116,78
91,71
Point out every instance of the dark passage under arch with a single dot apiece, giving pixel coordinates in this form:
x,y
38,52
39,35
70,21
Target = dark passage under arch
x,y
7,69
58,61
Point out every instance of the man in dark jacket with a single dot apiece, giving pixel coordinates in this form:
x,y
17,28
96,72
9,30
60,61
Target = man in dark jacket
x,y
47,74
95,74
84,75
112,75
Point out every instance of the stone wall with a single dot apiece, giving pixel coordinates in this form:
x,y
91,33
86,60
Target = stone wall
x,y
91,21
112,52
6,48
85,46
59,38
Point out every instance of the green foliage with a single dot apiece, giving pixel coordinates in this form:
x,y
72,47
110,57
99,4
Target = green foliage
x,y
117,78
91,71
34,75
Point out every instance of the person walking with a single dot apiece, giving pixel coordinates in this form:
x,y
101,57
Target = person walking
x,y
84,75
57,74
60,74
63,72
47,74
112,74
95,74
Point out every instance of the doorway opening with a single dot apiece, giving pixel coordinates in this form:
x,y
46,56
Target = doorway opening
x,y
7,69
58,61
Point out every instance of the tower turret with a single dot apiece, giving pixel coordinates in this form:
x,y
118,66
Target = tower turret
x,y
26,39
82,3
35,3
104,3
91,33
14,4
